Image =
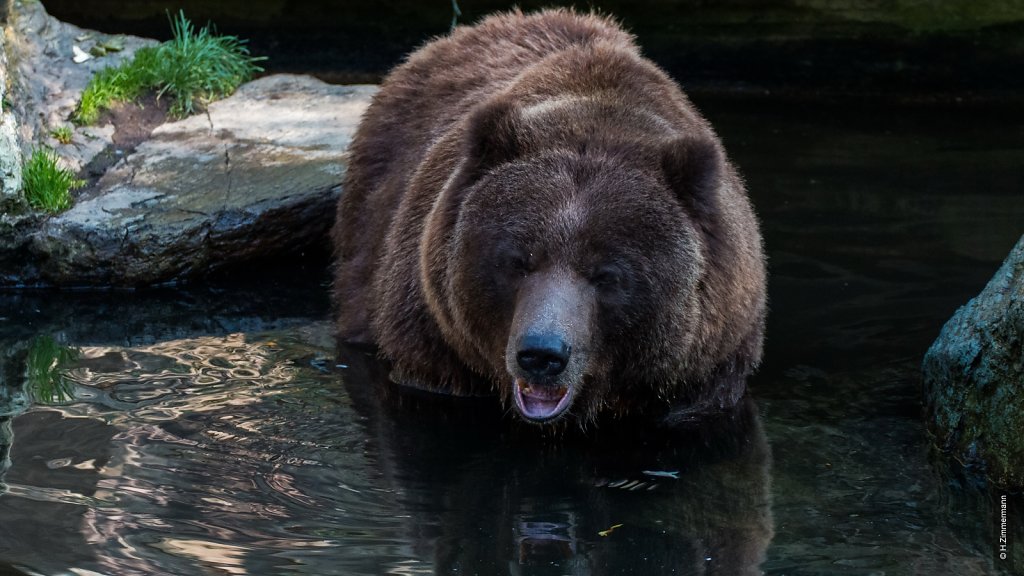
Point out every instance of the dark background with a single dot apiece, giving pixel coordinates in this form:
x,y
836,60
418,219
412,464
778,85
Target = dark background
x,y
909,50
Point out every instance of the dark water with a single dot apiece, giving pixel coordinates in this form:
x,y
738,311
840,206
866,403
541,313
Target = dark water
x,y
212,430
941,50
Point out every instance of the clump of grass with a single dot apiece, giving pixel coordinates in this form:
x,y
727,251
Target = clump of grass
x,y
111,85
46,360
47,185
202,66
193,68
62,134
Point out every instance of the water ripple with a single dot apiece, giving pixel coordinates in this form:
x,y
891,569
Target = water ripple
x,y
221,452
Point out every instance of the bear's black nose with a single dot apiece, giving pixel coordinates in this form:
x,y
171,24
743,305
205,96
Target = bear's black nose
x,y
543,355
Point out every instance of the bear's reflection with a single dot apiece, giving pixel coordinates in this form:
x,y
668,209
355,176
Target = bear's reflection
x,y
487,495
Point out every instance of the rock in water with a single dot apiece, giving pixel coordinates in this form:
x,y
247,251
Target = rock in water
x,y
974,378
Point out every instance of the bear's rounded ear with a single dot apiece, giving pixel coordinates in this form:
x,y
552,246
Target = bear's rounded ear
x,y
693,167
493,135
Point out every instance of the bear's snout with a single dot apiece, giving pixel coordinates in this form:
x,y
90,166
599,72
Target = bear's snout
x,y
543,355
546,354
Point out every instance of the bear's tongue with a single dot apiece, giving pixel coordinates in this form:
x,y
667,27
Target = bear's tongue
x,y
540,403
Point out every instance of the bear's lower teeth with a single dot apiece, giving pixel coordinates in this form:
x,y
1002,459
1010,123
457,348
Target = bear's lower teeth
x,y
540,402
542,393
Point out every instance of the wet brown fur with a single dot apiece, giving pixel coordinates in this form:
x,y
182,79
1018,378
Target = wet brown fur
x,y
551,129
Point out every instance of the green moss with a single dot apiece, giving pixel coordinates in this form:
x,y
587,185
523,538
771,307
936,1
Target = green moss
x,y
47,185
193,68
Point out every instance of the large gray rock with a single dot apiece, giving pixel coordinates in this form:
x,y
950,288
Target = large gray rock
x,y
10,150
40,85
255,176
974,378
46,83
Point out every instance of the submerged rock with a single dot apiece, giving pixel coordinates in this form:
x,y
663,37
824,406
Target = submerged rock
x,y
254,176
974,378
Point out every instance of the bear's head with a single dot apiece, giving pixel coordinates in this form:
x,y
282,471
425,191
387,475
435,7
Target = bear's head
x,y
563,258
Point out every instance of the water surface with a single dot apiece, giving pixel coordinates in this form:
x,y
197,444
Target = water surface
x,y
216,431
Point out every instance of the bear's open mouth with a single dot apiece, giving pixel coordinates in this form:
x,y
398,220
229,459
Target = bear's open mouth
x,y
541,403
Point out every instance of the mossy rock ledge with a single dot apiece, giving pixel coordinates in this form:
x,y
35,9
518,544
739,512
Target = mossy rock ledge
x,y
974,379
254,176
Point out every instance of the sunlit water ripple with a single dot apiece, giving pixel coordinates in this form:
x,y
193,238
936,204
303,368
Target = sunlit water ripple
x,y
221,449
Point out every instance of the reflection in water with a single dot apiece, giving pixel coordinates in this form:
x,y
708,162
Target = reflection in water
x,y
252,455
13,400
497,499
136,486
6,440
146,379
248,455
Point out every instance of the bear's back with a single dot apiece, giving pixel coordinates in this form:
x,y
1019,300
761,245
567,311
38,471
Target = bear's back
x,y
432,90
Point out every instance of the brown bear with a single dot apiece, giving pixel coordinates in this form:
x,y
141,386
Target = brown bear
x,y
533,209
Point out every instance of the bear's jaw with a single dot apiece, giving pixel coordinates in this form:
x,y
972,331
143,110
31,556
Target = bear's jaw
x,y
541,403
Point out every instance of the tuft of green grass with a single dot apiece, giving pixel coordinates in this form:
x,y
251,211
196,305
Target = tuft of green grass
x,y
111,85
62,134
194,68
46,360
47,185
200,66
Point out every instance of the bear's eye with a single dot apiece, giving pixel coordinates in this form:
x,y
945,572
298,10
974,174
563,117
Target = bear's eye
x,y
605,277
519,263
